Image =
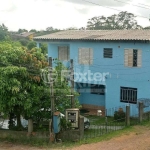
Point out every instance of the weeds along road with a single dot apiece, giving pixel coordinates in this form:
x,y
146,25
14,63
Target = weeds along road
x,y
138,139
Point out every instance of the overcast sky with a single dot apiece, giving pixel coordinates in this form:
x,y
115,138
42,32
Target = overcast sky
x,y
40,14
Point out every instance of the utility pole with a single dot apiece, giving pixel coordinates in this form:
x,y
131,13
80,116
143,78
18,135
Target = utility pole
x,y
52,135
72,84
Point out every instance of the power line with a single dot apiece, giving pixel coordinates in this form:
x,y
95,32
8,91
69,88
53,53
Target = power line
x,y
132,4
110,8
144,5
140,4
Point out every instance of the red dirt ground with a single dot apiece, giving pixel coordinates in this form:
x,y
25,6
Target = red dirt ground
x,y
137,140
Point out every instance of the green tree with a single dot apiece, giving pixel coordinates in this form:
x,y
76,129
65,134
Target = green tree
x,y
22,30
49,29
72,28
44,48
22,89
31,44
3,32
33,30
62,89
24,42
148,27
123,20
96,23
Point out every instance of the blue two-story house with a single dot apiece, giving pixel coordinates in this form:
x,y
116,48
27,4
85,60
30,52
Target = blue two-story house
x,y
111,67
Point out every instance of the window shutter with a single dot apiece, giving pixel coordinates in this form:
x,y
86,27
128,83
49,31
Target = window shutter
x,y
80,56
85,56
91,56
126,57
63,53
130,58
68,53
139,59
107,53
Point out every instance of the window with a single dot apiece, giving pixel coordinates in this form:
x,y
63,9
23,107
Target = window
x,y
132,58
97,89
135,56
128,95
85,56
107,53
63,53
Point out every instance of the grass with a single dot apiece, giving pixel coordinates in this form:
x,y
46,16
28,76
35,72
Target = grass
x,y
97,120
64,145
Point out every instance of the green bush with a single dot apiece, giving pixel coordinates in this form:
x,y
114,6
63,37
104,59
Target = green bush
x,y
64,124
24,42
119,115
31,45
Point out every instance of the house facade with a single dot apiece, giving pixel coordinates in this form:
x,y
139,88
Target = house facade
x,y
111,67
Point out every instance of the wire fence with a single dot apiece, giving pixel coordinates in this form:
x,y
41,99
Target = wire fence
x,y
116,119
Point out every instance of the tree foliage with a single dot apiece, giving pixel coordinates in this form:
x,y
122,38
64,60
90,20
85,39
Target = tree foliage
x,y
31,44
148,27
22,89
62,88
3,32
123,20
22,30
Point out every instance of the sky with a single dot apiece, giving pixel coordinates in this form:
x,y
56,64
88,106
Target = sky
x,y
62,14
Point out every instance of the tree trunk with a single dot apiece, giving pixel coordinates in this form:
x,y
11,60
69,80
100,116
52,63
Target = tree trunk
x,y
30,126
11,121
19,125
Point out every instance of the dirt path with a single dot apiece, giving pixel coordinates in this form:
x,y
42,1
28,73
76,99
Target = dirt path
x,y
138,140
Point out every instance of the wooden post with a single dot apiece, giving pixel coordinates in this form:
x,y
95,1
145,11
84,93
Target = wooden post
x,y
128,115
140,111
30,126
72,84
52,135
81,126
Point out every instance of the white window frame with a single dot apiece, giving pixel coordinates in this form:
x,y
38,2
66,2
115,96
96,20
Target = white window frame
x,y
85,56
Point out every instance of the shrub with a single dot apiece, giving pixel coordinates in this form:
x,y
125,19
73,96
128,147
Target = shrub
x,y
64,124
119,115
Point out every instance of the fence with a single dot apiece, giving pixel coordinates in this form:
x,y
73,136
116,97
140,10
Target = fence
x,y
116,119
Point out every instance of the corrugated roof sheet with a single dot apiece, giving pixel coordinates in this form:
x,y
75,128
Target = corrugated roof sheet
x,y
97,35
27,34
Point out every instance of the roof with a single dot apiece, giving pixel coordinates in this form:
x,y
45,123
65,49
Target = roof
x,y
26,34
98,35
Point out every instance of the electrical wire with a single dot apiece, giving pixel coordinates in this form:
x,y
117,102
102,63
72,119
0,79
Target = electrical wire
x,y
144,5
132,4
111,8
140,3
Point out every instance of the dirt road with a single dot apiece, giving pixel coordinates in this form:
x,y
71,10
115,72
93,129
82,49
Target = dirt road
x,y
137,140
